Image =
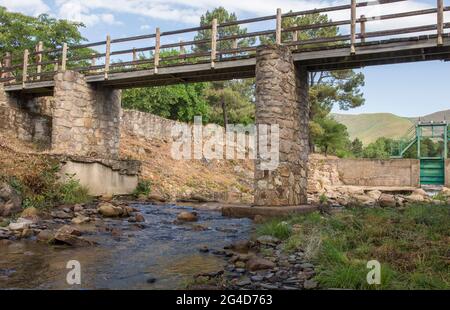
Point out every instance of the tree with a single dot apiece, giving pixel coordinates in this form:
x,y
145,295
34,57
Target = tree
x,y
19,32
222,16
380,149
357,147
332,137
231,100
234,109
178,102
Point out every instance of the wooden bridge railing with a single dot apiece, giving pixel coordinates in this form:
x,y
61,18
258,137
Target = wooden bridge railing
x,y
13,71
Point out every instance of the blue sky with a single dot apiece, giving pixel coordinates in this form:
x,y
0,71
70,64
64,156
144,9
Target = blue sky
x,y
407,89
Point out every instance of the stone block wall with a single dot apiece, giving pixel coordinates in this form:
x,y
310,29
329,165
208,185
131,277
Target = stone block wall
x,y
29,118
282,98
147,126
86,118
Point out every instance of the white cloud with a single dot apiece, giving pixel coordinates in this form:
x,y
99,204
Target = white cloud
x,y
80,12
145,27
28,7
93,12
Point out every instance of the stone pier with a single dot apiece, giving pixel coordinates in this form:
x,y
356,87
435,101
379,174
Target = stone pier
x,y
86,118
28,117
282,98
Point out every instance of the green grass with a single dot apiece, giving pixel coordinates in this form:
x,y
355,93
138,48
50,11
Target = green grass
x,y
412,246
279,229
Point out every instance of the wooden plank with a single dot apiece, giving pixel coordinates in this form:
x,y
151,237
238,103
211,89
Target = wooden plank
x,y
353,27
278,29
157,49
64,58
107,56
25,67
213,42
440,21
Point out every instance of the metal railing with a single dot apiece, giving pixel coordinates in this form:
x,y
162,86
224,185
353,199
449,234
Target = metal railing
x,y
66,57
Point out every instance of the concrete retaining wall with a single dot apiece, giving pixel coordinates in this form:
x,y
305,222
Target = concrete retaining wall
x,y
368,172
103,177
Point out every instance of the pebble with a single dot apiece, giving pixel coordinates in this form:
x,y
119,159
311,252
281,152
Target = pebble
x,y
310,284
151,280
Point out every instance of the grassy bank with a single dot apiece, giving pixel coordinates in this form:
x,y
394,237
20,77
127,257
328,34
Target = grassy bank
x,y
412,246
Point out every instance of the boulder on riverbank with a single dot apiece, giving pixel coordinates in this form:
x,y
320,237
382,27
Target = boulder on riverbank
x,y
10,200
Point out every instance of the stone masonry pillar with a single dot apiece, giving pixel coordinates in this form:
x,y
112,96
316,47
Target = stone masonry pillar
x,y
86,118
282,98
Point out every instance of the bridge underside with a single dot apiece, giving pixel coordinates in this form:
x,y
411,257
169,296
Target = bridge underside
x,y
385,52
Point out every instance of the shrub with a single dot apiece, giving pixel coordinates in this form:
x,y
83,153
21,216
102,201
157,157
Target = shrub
x,y
143,188
72,192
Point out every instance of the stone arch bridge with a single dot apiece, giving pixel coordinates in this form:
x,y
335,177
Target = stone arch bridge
x,y
85,91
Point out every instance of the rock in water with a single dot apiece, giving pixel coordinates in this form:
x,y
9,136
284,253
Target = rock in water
x,y
108,210
10,200
20,224
258,263
139,218
187,216
69,230
80,219
61,215
45,235
61,238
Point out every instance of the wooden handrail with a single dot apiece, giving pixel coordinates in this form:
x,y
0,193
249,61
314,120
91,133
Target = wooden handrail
x,y
213,54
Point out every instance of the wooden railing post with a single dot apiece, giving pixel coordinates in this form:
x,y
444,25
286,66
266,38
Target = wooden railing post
x,y
7,63
157,49
278,29
107,55
134,58
213,42
25,67
234,44
295,36
363,28
64,58
353,27
440,21
182,51
56,67
39,57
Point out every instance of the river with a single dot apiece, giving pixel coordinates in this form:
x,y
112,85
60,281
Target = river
x,y
163,255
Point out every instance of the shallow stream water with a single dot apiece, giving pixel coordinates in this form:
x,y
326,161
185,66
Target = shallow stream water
x,y
164,251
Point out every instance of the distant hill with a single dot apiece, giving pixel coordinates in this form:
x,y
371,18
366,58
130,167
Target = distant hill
x,y
436,117
369,127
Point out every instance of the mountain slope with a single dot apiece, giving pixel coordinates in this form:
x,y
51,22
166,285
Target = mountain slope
x,y
436,117
369,127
